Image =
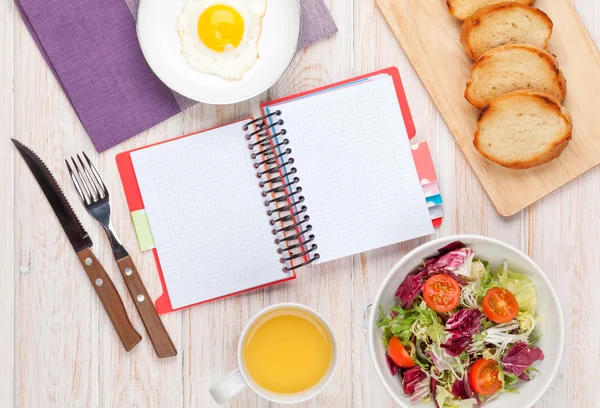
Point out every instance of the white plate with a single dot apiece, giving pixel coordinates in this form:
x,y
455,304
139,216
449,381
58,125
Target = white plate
x,y
157,33
495,252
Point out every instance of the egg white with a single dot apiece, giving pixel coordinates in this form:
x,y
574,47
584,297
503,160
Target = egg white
x,y
231,64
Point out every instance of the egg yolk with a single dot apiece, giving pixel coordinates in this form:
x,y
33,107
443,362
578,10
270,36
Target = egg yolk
x,y
220,26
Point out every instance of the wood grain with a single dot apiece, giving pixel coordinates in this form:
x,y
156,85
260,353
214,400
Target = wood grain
x,y
57,310
7,235
163,345
65,351
561,246
562,230
444,68
138,378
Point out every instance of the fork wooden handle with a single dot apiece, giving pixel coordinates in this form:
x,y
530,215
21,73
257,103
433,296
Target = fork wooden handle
x,y
154,326
110,299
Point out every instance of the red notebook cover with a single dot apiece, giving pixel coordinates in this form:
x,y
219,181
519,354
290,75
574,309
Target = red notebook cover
x,y
134,196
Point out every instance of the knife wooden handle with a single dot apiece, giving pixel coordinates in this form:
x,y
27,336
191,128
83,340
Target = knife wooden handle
x,y
110,299
163,345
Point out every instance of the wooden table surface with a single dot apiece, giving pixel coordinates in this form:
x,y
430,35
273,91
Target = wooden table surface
x,y
57,347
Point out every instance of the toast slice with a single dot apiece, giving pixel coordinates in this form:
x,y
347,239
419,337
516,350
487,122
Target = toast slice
x,y
523,129
463,9
505,23
514,67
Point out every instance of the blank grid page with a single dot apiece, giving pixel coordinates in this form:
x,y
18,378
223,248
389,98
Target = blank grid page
x,y
207,216
355,167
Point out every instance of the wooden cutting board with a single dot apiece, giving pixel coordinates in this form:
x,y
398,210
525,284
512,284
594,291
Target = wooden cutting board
x,y
430,38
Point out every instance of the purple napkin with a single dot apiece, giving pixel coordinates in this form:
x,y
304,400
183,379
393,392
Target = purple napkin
x,y
91,47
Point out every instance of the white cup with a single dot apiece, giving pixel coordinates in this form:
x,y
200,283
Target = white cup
x,y
236,381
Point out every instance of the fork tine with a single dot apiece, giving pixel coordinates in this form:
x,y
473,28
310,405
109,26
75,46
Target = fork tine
x,y
91,184
88,193
76,183
96,174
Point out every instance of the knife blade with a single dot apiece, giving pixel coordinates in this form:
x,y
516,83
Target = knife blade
x,y
77,235
82,244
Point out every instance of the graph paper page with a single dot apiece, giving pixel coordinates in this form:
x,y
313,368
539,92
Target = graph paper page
x,y
356,171
207,216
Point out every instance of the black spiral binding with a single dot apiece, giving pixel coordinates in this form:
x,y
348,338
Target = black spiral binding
x,y
274,169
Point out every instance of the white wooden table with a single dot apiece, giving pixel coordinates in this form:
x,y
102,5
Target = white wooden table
x,y
57,347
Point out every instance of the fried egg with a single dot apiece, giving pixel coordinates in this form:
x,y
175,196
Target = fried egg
x,y
220,37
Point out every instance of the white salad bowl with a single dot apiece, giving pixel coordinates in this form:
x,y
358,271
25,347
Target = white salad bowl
x,y
495,252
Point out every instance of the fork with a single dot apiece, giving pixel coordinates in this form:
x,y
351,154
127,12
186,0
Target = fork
x,y
95,198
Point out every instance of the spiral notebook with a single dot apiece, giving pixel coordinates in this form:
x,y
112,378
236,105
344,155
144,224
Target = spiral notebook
x,y
320,176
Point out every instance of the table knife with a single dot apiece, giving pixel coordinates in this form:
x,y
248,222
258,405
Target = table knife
x,y
82,244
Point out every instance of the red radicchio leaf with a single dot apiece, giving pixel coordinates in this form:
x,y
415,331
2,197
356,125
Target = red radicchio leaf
x,y
451,247
520,357
454,346
391,365
457,278
413,377
459,390
446,262
462,389
410,288
428,262
461,327
451,261
466,321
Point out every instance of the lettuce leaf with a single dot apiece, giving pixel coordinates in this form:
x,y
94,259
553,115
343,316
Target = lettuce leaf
x,y
433,390
419,321
427,327
449,368
520,286
399,325
527,323
481,281
445,399
487,280
508,381
478,270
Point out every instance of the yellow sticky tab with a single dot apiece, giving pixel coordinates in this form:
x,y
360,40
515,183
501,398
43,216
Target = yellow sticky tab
x,y
142,230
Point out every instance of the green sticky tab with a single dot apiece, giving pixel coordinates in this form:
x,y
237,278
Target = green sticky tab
x,y
142,230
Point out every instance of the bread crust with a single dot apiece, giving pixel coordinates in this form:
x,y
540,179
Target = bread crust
x,y
482,14
546,56
558,146
455,12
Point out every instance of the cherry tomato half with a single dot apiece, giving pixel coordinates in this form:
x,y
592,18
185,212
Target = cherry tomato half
x,y
398,354
441,293
499,305
483,377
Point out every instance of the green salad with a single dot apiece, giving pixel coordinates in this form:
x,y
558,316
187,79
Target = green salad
x,y
461,334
